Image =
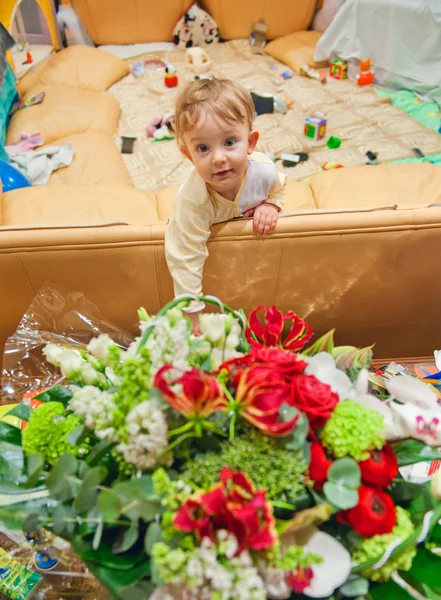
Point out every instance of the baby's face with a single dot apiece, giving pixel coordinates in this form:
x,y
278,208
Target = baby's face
x,y
218,149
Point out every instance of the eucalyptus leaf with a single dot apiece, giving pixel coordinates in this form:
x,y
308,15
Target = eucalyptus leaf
x,y
345,471
35,469
152,535
139,592
297,438
58,480
355,586
22,411
87,494
60,516
98,452
98,535
77,436
109,505
127,539
340,496
10,434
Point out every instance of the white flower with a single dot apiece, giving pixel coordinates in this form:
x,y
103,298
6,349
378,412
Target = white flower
x,y
322,366
437,355
147,436
220,330
89,375
219,356
276,585
96,408
411,390
99,346
52,352
71,363
333,571
110,374
422,424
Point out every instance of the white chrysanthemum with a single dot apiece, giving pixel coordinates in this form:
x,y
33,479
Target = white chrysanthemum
x,y
147,436
96,408
99,346
52,352
70,362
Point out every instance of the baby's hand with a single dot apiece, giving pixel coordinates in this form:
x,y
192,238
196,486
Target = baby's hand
x,y
265,218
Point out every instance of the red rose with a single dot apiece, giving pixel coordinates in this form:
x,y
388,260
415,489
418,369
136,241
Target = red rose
x,y
380,468
286,362
319,465
314,398
270,332
375,513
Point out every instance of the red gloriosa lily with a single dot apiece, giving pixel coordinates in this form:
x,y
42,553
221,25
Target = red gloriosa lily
x,y
233,504
380,468
374,514
201,394
260,394
270,333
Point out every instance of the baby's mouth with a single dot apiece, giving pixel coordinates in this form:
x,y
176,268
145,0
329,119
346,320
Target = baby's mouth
x,y
224,173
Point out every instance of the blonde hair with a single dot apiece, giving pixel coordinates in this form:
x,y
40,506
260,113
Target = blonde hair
x,y
222,97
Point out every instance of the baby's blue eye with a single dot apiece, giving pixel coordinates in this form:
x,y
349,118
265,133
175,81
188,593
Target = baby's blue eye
x,y
230,142
202,148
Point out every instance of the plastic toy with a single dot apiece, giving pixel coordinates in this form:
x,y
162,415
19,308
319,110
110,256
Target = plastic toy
x,y
315,126
339,69
11,177
326,166
29,58
371,158
258,36
286,74
333,142
198,60
170,78
308,71
365,77
137,69
160,129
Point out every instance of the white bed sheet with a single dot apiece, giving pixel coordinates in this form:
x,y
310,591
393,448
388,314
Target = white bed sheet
x,y
402,38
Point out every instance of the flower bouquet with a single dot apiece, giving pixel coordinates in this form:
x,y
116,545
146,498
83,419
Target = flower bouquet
x,y
245,464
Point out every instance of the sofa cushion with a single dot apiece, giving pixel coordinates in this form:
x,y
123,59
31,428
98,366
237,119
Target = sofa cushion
x,y
298,197
8,95
296,49
65,111
77,66
379,185
97,161
66,205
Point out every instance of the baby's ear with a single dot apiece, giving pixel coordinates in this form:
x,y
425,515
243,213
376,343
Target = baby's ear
x,y
253,138
185,152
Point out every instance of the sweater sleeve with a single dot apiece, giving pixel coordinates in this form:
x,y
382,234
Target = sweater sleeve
x,y
277,192
186,244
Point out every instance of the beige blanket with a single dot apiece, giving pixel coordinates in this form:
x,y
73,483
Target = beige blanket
x,y
357,116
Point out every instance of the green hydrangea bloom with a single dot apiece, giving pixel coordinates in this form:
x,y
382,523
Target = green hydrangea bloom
x,y
275,469
294,557
47,432
353,430
169,562
377,545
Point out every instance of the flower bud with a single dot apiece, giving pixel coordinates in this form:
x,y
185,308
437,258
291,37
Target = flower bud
x,y
435,485
70,363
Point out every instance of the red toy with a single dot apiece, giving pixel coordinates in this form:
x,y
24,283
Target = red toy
x,y
170,79
29,59
365,77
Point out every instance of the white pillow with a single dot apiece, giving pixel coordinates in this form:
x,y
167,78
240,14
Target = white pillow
x,y
324,15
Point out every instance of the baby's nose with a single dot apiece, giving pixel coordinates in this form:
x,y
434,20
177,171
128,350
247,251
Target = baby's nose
x,y
218,155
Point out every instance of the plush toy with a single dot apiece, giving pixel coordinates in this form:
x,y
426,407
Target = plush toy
x,y
170,77
160,129
196,28
198,60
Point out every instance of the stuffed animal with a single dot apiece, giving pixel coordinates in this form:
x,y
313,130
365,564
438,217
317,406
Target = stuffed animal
x,y
196,28
161,128
198,60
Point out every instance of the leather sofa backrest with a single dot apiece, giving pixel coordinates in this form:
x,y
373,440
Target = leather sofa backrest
x,y
130,21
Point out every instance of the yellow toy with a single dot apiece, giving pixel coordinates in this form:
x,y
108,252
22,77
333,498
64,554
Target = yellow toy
x,y
8,10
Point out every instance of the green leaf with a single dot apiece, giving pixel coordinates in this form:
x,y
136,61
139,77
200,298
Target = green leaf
x,y
355,586
58,480
426,567
426,591
388,591
323,344
345,471
22,411
139,592
409,452
152,535
340,496
12,464
10,434
56,394
60,516
98,535
87,494
35,469
126,539
119,563
98,452
135,504
297,438
77,436
109,505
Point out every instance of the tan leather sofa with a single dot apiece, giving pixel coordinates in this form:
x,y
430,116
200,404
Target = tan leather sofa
x,y
357,249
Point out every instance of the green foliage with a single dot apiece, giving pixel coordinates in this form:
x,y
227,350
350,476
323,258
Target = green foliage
x,y
352,360
48,430
294,557
275,469
409,452
56,394
377,545
353,430
342,484
10,434
323,344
